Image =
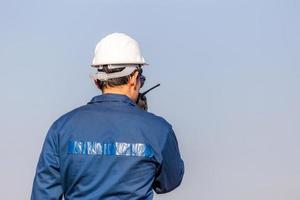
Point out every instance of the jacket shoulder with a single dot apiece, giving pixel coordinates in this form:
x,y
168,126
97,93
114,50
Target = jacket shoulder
x,y
154,120
62,120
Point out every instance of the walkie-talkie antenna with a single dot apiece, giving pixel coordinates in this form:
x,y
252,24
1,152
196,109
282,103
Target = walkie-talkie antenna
x,y
144,93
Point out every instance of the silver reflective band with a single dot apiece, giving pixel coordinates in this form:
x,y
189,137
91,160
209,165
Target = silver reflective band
x,y
110,149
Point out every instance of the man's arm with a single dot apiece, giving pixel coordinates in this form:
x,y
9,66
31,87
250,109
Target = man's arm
x,y
47,181
172,168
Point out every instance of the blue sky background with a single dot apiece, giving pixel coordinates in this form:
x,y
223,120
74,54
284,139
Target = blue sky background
x,y
230,86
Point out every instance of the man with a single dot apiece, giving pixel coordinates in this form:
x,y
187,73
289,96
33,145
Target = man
x,y
110,148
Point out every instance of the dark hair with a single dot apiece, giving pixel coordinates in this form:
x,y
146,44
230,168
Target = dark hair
x,y
113,81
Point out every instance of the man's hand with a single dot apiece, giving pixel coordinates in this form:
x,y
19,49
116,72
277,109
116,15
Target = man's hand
x,y
142,102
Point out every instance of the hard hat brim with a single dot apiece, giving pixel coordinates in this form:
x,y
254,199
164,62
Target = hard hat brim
x,y
96,65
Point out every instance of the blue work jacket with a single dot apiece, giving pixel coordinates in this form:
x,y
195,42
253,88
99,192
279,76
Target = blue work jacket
x,y
108,149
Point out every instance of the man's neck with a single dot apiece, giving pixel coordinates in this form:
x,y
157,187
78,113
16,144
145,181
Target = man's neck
x,y
122,91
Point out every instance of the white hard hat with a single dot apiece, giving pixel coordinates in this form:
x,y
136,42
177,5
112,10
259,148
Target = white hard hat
x,y
117,48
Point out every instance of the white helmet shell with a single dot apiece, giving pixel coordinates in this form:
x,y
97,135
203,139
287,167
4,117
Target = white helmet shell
x,y
117,48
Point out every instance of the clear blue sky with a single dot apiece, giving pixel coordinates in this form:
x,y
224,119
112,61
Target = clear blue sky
x,y
230,86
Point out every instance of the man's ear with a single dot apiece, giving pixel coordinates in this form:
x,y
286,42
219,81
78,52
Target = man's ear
x,y
133,78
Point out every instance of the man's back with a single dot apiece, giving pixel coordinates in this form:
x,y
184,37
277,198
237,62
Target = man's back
x,y
108,149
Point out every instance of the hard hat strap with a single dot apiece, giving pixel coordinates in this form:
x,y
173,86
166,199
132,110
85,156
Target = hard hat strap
x,y
103,76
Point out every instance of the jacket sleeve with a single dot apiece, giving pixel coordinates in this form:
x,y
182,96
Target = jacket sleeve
x,y
171,170
47,181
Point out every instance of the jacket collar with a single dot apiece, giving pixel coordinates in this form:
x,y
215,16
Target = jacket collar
x,y
109,97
